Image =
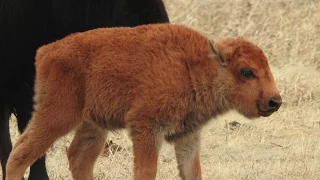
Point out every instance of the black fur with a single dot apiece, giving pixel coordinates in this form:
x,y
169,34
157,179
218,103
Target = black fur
x,y
26,25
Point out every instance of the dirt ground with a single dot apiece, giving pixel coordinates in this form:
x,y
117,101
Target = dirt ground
x,y
283,146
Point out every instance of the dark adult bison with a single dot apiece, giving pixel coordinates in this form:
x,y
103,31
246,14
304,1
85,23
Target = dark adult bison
x,y
26,25
158,81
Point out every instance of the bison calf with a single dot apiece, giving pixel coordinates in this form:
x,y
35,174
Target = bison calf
x,y
158,81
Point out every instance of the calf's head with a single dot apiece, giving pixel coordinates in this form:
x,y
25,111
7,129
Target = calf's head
x,y
247,83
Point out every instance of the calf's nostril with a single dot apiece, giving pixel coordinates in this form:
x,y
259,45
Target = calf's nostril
x,y
274,104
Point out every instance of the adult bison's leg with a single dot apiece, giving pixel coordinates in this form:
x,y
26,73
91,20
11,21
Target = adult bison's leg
x,y
24,108
187,153
84,150
5,141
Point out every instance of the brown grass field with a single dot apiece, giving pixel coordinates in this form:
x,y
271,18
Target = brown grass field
x,y
285,145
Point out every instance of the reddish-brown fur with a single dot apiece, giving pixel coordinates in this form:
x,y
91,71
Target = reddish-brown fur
x,y
158,81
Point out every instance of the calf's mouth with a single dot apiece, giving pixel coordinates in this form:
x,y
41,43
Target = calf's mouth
x,y
264,113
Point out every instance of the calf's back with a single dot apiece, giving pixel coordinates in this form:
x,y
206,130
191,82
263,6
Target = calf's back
x,y
113,70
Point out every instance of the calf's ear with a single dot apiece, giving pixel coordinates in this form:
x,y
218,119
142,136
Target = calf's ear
x,y
221,51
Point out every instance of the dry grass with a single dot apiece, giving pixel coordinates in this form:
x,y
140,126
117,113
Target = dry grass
x,y
283,146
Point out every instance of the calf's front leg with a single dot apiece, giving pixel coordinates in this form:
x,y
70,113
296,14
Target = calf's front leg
x,y
187,153
145,150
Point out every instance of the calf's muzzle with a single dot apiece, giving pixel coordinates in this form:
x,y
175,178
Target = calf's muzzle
x,y
270,106
274,103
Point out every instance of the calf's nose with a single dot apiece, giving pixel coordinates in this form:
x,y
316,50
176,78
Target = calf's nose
x,y
274,103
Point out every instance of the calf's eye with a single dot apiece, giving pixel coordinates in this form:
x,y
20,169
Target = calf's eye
x,y
247,73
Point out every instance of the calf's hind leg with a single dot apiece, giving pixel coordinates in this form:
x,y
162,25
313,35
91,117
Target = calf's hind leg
x,y
46,126
24,108
84,150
